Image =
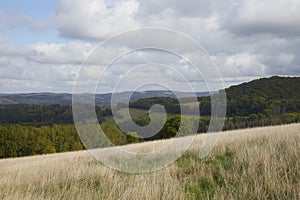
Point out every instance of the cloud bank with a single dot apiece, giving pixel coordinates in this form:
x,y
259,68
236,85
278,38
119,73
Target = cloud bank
x,y
246,39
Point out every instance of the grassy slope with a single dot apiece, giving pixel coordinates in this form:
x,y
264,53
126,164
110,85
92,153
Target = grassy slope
x,y
260,163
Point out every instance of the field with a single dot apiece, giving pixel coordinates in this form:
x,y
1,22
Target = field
x,y
137,114
259,163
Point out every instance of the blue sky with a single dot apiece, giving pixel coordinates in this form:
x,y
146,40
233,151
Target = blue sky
x,y
34,8
44,42
37,10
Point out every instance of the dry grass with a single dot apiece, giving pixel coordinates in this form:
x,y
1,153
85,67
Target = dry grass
x,y
260,163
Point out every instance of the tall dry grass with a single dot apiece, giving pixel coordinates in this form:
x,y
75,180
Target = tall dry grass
x,y
260,163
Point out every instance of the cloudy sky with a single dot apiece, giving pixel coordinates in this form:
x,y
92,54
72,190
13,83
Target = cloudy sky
x,y
43,43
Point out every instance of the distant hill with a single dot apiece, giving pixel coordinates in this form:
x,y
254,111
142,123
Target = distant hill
x,y
268,96
100,99
36,98
274,88
265,96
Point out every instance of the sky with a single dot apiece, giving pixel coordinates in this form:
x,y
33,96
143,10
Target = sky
x,y
44,44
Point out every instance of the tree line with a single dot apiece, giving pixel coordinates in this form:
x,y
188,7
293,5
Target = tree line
x,y
23,140
241,106
41,115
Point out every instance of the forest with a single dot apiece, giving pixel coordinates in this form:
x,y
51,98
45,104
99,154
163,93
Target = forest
x,y
270,97
23,140
39,115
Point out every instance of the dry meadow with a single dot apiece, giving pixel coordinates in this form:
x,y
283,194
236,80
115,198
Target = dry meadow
x,y
259,163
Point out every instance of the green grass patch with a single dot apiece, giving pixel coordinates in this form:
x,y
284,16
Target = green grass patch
x,y
202,178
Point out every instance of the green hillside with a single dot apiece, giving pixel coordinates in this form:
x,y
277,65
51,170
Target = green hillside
x,y
273,88
268,96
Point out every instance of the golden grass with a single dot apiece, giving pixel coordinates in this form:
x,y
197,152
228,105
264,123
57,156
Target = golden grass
x,y
260,163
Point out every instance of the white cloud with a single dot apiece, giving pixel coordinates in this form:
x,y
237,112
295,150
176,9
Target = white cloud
x,y
4,61
246,39
11,20
271,16
71,52
95,19
278,63
100,19
16,51
240,65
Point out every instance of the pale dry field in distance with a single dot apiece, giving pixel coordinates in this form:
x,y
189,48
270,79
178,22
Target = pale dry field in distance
x,y
259,163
